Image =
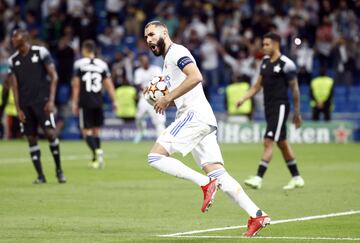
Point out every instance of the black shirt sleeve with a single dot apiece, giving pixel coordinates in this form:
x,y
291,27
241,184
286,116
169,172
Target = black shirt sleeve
x,y
290,70
45,56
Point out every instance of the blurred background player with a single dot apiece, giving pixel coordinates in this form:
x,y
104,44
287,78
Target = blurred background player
x,y
90,75
194,129
34,97
126,97
277,73
12,123
142,76
238,87
321,93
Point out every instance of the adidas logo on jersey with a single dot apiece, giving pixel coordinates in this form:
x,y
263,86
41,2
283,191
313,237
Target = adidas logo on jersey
x,y
47,123
17,63
270,134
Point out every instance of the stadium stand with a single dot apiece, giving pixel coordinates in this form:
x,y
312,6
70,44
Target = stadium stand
x,y
328,32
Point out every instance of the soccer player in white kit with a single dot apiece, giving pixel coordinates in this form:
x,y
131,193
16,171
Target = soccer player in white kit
x,y
142,76
194,129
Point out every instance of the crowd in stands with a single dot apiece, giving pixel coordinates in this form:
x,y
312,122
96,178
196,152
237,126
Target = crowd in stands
x,y
224,36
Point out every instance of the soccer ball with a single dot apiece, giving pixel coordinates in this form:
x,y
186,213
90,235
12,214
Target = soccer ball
x,y
155,89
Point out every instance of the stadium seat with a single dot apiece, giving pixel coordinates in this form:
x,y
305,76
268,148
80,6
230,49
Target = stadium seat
x,y
63,94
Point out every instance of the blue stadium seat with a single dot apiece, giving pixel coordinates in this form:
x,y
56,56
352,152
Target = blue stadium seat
x,y
340,90
63,94
217,101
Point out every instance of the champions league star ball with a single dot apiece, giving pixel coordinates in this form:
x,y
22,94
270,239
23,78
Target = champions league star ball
x,y
155,89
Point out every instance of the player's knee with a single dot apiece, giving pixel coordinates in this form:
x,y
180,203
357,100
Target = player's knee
x,y
154,157
281,145
50,134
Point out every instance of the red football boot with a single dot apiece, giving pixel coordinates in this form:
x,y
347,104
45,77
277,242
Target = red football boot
x,y
256,224
209,191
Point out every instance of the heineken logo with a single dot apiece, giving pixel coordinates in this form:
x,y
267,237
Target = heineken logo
x,y
310,132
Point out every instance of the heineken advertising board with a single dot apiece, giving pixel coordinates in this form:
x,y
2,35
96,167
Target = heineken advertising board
x,y
310,132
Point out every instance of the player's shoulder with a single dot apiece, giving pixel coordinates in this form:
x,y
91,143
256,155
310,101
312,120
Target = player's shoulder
x,y
82,61
286,60
37,48
178,48
100,63
288,63
13,56
178,53
265,59
41,49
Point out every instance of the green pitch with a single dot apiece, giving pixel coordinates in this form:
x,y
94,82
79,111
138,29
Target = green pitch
x,y
130,202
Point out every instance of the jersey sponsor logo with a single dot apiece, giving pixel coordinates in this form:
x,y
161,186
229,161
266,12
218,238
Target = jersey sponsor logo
x,y
34,58
91,68
17,63
277,68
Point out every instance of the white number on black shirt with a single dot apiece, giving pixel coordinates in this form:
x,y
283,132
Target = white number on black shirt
x,y
92,81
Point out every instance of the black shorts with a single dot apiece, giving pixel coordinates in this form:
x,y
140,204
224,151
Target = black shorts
x,y
91,117
35,117
276,117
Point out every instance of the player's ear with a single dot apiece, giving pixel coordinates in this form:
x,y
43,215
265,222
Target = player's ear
x,y
165,33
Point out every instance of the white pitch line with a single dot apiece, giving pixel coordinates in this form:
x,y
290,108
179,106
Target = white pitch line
x,y
272,222
266,237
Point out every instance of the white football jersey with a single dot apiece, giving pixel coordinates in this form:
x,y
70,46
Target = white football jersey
x,y
176,58
143,76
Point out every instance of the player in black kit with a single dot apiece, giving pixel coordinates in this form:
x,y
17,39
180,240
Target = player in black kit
x,y
277,73
34,81
91,74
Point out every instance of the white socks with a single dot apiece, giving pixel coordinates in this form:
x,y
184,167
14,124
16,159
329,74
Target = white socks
x,y
176,168
234,190
227,183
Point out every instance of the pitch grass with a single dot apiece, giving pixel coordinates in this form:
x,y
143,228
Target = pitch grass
x,y
130,202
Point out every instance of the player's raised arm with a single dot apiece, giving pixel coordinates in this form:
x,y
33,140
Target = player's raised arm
x,y
251,92
297,120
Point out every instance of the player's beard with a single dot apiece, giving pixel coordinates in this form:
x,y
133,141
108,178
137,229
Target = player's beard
x,y
160,47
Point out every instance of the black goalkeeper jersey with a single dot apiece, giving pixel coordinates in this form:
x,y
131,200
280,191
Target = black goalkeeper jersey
x,y
31,74
92,73
275,80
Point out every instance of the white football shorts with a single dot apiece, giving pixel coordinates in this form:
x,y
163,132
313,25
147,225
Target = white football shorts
x,y
187,133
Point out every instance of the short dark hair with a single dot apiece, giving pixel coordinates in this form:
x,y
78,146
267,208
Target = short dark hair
x,y
89,45
156,23
273,36
23,32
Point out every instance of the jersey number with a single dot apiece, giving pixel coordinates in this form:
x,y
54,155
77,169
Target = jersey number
x,y
92,81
